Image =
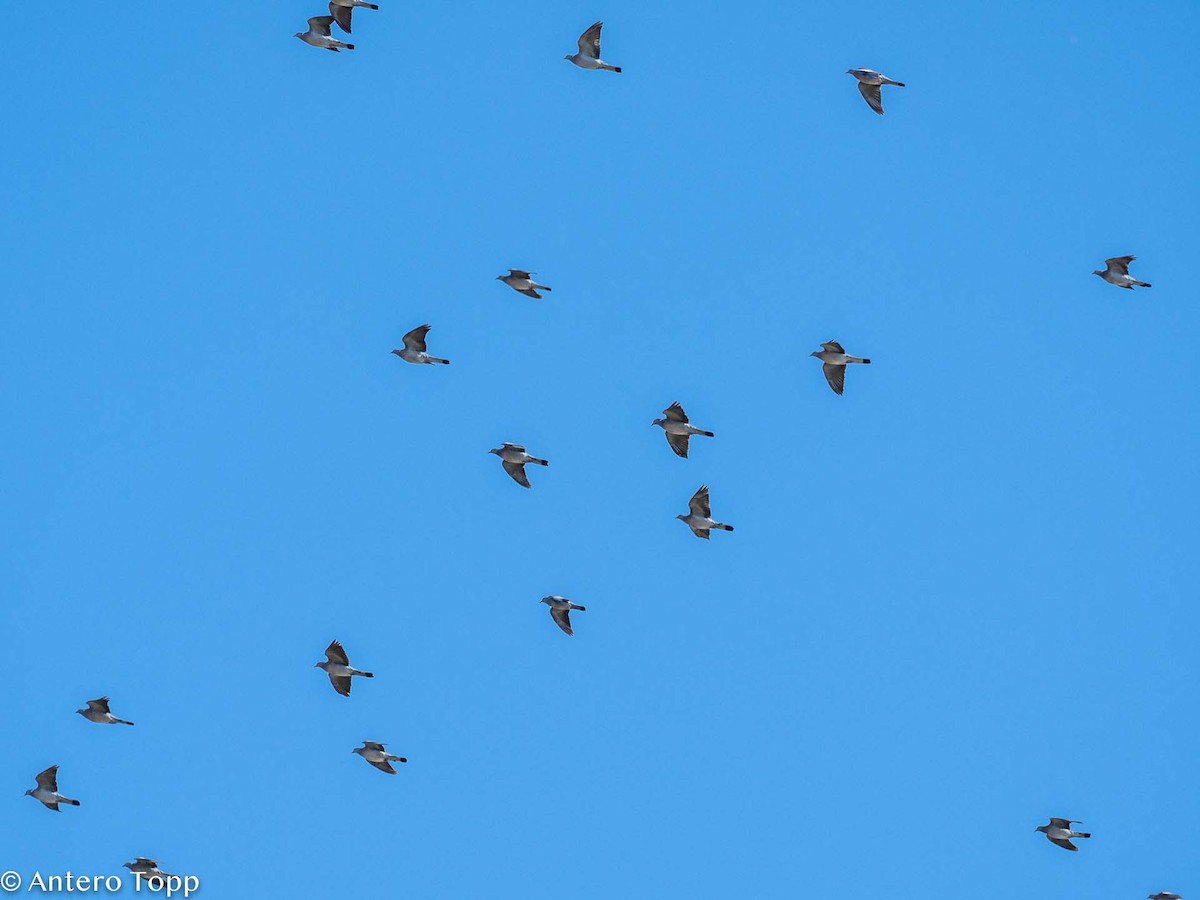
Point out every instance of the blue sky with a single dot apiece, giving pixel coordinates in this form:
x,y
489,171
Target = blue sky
x,y
959,599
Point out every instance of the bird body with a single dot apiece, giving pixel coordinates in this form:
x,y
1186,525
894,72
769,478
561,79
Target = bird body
x,y
1164,895
320,35
835,359
147,870
588,56
341,10
46,791
1116,271
376,754
699,517
869,83
522,282
678,429
337,667
97,711
415,350
1059,832
514,459
560,611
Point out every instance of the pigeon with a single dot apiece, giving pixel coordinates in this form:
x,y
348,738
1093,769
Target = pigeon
x,y
560,611
97,711
700,518
376,754
318,35
1116,272
869,82
678,430
339,670
46,791
514,458
341,10
588,56
835,361
519,281
1059,832
1164,895
147,870
414,348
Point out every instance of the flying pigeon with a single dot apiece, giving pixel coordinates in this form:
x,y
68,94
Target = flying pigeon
x,y
376,754
46,791
835,361
339,670
519,281
1164,895
514,458
147,870
560,611
97,711
1116,272
1059,832
678,429
869,82
318,35
341,10
414,348
700,518
588,56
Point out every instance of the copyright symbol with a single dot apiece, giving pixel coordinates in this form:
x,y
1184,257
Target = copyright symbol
x,y
10,882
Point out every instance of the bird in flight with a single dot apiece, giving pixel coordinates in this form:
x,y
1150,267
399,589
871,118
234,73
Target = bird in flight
x,y
414,348
514,459
1116,271
1059,832
337,667
46,791
519,281
97,711
835,361
869,82
376,754
700,519
319,35
678,429
588,56
341,10
560,611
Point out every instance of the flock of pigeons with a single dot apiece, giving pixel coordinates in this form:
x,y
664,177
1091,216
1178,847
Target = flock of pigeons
x,y
514,457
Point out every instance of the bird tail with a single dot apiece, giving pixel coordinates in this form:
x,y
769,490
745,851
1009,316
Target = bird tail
x,y
708,434
440,362
541,287
72,802
896,83
1079,834
371,5
123,722
616,69
1142,283
398,758
367,674
578,607
723,527
540,462
865,362
348,46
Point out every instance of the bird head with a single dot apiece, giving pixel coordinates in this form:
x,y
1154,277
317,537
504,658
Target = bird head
x,y
568,56
659,422
1042,828
319,665
1099,272
29,793
396,352
495,450
816,354
82,712
682,518
545,600
299,34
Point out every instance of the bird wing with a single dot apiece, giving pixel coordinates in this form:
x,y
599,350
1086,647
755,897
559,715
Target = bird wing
x,y
518,273
699,503
48,780
589,41
415,339
373,745
675,413
383,766
1064,843
320,25
836,376
700,532
833,347
679,443
873,95
514,446
341,15
530,292
341,684
517,471
562,617
1056,822
336,653
100,705
1119,265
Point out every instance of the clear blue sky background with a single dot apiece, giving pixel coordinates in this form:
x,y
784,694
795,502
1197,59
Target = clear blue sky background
x,y
960,599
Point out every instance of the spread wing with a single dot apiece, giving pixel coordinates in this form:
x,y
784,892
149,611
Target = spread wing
x,y
518,273
589,41
335,653
699,503
341,684
100,705
383,766
1119,265
530,292
679,443
700,532
675,413
836,376
1056,822
341,15
373,745
562,618
517,471
320,25
48,780
415,339
1064,843
514,446
873,95
833,347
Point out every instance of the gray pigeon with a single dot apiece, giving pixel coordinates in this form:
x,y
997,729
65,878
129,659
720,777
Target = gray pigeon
x,y
318,35
560,611
1059,832
414,348
588,56
1116,271
341,10
46,791
514,459
700,518
869,82
147,870
97,711
339,670
1164,895
678,429
835,361
519,281
376,754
